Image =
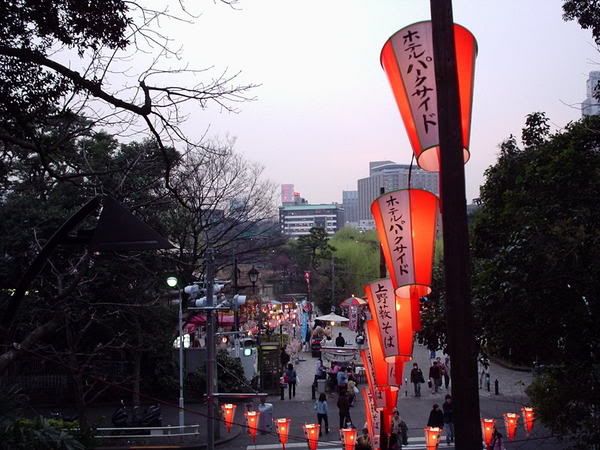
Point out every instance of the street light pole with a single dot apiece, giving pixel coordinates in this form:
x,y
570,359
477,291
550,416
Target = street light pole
x,y
211,361
173,282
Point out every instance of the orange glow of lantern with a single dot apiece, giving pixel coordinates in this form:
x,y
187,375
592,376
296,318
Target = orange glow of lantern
x,y
311,431
383,373
252,423
348,437
406,222
393,317
510,423
487,430
432,437
372,416
283,430
407,59
528,418
228,410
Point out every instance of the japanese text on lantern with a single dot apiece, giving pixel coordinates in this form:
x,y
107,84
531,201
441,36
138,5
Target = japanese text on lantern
x,y
386,315
421,83
396,231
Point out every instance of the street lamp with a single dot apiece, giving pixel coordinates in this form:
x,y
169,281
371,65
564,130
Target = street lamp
x,y
253,275
173,283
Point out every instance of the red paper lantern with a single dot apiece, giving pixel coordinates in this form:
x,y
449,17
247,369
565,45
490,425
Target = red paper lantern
x,y
348,437
432,437
528,418
487,430
311,431
283,430
384,373
393,317
252,423
228,410
372,416
407,59
510,423
406,222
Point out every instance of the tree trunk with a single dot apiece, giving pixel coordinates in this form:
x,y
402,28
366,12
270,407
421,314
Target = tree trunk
x,y
137,364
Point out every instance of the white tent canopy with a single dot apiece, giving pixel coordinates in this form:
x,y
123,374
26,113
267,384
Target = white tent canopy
x,y
332,317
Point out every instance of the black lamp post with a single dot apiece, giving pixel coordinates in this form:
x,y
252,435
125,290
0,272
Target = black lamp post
x,y
253,275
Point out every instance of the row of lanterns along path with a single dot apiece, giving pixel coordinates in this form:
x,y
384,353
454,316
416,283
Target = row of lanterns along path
x,y
406,225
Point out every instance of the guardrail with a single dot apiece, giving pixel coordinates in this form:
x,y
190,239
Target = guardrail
x,y
147,434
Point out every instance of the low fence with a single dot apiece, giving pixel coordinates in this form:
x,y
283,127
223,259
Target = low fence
x,y
118,437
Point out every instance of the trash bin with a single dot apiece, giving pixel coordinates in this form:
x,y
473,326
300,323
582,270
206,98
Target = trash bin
x,y
321,384
265,421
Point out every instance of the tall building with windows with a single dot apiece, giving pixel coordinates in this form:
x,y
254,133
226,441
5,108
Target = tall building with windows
x,y
350,204
287,193
591,106
390,176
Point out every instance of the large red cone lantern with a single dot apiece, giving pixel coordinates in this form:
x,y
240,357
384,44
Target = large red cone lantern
x,y
406,222
228,410
528,418
407,59
510,423
393,317
372,416
487,430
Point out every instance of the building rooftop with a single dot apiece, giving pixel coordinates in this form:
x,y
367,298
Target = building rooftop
x,y
306,207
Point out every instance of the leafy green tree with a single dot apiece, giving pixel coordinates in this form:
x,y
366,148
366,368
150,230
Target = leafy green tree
x,y
537,265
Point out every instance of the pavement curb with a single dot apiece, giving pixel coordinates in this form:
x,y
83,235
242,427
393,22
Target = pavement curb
x,y
508,365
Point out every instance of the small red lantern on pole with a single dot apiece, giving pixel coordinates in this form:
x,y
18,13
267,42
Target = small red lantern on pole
x,y
311,431
252,423
432,437
283,430
348,437
228,410
528,418
510,423
407,59
487,430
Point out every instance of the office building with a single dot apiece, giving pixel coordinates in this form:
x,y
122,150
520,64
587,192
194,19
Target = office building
x,y
591,106
350,204
390,176
287,193
296,220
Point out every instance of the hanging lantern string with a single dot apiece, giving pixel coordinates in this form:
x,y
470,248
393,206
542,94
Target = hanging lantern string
x,y
412,161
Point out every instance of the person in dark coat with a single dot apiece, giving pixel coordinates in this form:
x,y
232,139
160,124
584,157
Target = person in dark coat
x,y
435,376
284,358
436,417
448,420
343,405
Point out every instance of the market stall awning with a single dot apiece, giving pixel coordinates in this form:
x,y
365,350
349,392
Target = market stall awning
x,y
332,317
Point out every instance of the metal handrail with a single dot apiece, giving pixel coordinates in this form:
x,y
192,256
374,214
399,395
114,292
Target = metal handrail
x,y
123,432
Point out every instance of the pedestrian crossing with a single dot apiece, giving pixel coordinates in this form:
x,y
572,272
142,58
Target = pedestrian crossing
x,y
413,444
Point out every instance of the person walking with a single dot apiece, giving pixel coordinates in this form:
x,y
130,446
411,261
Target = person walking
x,y
343,405
399,429
342,381
321,409
435,376
291,378
364,441
447,372
416,378
448,421
436,417
352,390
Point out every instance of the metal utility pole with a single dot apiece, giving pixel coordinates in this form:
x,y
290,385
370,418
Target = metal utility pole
x,y
236,308
211,362
180,325
459,316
